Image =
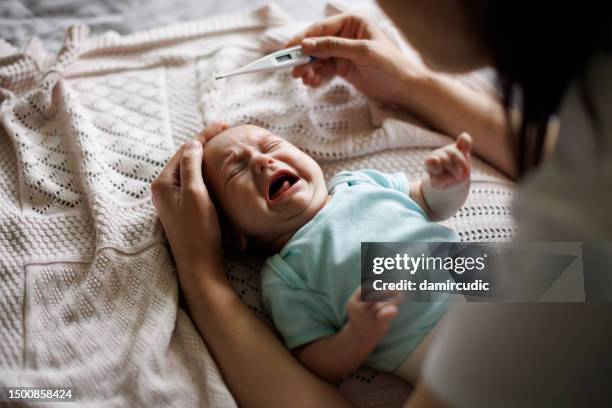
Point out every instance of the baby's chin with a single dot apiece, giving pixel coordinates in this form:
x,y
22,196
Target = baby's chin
x,y
297,212
305,205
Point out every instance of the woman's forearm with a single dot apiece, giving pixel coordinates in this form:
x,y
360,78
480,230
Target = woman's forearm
x,y
337,356
452,108
423,397
258,369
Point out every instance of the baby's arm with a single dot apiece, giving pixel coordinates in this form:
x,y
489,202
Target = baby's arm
x,y
447,186
334,357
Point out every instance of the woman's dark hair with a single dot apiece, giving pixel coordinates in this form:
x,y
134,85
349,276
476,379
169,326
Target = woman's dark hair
x,y
539,48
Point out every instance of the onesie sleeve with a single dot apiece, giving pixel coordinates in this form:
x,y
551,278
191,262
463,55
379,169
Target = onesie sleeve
x,y
299,314
396,181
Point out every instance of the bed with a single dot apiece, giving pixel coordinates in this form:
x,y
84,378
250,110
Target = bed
x,y
87,120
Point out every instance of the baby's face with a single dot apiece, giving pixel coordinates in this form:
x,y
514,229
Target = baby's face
x,y
268,188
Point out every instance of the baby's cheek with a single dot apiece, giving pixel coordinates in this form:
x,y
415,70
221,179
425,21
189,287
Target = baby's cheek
x,y
241,201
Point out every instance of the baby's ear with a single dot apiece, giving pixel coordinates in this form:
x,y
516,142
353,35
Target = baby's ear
x,y
232,240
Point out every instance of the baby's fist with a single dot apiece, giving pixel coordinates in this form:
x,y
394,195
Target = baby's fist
x,y
449,166
369,321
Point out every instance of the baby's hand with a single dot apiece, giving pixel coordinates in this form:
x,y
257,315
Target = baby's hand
x,y
369,321
449,166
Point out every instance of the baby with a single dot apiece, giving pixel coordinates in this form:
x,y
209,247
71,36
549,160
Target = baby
x,y
273,196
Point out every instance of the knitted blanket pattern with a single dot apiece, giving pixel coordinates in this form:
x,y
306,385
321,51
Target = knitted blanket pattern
x,y
89,296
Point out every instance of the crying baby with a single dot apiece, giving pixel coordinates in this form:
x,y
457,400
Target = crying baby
x,y
273,197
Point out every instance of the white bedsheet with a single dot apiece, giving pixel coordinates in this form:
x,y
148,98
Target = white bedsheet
x,y
486,215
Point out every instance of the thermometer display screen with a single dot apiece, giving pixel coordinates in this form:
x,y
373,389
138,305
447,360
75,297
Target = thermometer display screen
x,y
282,58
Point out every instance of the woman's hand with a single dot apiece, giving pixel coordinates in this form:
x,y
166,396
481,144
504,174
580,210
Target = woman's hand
x,y
186,212
352,47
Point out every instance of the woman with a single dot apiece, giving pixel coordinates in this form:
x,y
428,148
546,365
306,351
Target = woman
x,y
517,355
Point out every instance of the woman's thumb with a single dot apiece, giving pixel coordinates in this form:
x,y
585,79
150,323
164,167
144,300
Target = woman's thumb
x,y
191,167
332,46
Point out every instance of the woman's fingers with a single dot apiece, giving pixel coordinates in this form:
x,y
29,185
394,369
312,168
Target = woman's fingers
x,y
336,47
328,38
188,217
308,77
183,173
330,26
212,130
325,71
168,181
300,70
316,73
191,167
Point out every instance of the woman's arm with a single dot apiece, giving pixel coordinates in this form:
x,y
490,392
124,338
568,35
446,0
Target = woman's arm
x,y
258,369
423,397
452,108
351,46
334,357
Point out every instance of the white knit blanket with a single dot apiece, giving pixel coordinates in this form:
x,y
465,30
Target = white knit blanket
x,y
89,296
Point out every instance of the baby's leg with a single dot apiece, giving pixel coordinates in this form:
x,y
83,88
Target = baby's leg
x,y
410,370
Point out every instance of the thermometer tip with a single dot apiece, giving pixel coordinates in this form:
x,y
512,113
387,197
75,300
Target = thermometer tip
x,y
219,76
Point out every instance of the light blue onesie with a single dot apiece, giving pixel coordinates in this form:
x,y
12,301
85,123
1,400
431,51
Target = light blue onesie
x,y
306,286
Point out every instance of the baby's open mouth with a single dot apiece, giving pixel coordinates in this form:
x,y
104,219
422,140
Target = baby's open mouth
x,y
280,183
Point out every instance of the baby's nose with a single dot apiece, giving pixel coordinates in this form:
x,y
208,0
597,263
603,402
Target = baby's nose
x,y
262,162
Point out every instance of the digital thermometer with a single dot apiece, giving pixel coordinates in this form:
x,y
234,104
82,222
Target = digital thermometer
x,y
287,58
